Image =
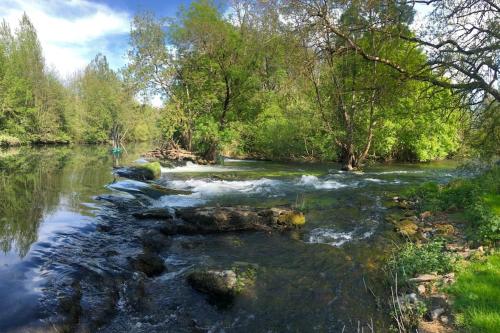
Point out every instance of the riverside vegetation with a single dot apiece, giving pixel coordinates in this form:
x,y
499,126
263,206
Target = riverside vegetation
x,y
252,83
459,226
344,81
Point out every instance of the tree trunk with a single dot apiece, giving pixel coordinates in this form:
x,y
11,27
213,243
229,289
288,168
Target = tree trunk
x,y
348,158
211,153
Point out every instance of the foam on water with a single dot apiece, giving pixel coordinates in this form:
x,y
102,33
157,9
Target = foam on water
x,y
313,181
396,172
215,187
329,236
192,167
336,238
178,201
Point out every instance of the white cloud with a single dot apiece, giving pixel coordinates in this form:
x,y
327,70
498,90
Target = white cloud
x,y
71,32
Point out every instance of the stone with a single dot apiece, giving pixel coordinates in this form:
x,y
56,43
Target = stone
x,y
425,215
154,240
424,278
204,220
444,319
406,227
149,263
434,314
421,289
449,278
219,285
141,172
445,229
153,213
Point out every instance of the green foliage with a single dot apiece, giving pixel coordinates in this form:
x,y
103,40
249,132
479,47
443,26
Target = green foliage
x,y
412,259
36,107
477,196
249,84
476,293
9,140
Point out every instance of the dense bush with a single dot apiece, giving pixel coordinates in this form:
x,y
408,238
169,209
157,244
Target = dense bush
x,y
478,197
412,259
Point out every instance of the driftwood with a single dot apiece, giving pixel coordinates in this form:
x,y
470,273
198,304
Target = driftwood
x,y
173,152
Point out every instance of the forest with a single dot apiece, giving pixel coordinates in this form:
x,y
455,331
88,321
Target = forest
x,y
347,81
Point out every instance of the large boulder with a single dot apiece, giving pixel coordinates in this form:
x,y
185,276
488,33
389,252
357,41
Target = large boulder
x,y
141,172
203,220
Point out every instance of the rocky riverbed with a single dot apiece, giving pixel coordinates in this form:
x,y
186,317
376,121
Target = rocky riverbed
x,y
246,246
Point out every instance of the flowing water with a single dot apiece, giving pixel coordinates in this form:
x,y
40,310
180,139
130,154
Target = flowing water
x,y
64,217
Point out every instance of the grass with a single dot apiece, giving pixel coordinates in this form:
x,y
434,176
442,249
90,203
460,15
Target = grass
x,y
493,202
477,197
477,296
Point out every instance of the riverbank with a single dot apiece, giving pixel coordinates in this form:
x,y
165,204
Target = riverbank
x,y
451,231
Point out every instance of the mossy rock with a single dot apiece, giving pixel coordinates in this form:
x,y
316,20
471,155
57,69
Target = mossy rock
x,y
295,218
406,228
445,229
153,167
141,172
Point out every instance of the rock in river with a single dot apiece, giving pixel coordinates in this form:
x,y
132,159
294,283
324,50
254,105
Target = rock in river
x,y
153,213
142,172
203,220
220,285
149,263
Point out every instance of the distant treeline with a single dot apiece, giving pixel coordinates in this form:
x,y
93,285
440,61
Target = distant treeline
x,y
37,107
331,80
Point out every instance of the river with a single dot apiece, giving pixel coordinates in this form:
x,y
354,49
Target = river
x,y
57,227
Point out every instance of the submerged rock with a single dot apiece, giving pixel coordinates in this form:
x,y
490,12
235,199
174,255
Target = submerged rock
x,y
154,240
142,172
201,220
149,263
153,213
218,284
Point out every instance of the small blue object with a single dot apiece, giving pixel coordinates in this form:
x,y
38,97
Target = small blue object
x,y
116,150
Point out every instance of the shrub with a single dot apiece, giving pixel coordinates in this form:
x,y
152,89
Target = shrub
x,y
479,197
412,259
8,140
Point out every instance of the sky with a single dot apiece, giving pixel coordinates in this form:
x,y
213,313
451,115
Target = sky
x,y
72,32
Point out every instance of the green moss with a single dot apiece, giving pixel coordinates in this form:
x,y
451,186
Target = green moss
x,y
294,218
406,228
477,295
153,167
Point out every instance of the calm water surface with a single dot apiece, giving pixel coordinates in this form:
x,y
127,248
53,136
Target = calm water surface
x,y
311,279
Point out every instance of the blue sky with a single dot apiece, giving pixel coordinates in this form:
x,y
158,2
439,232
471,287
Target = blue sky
x,y
72,32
